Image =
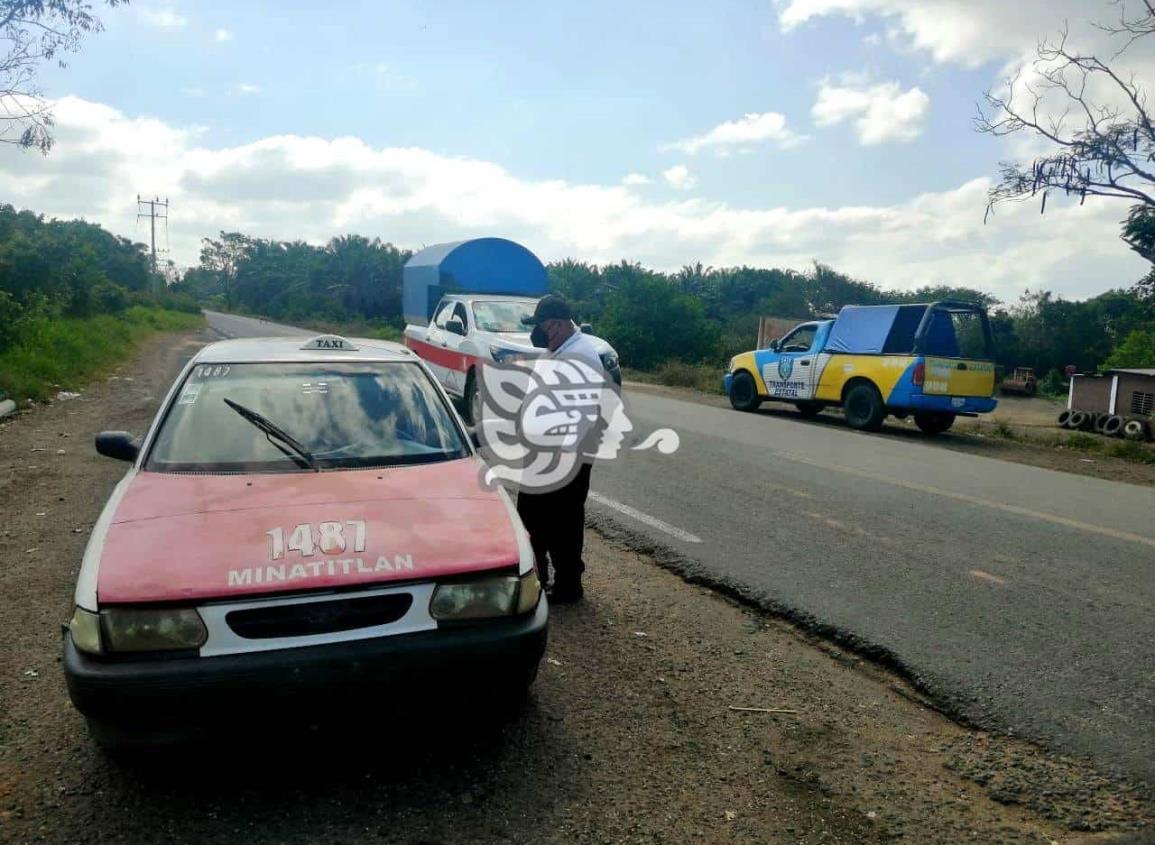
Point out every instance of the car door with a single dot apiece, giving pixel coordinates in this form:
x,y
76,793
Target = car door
x,y
455,367
435,354
790,369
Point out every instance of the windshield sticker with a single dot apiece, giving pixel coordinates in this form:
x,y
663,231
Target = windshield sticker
x,y
315,387
189,395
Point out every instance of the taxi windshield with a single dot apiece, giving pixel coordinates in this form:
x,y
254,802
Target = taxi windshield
x,y
503,315
344,416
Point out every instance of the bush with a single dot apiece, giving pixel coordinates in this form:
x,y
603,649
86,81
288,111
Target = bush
x,y
1132,450
698,376
1052,385
1084,442
54,353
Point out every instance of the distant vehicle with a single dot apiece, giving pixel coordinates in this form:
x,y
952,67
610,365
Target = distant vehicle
x,y
469,330
463,303
300,523
1021,382
876,360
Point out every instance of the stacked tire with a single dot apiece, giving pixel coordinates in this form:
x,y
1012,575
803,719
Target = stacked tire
x,y
1107,424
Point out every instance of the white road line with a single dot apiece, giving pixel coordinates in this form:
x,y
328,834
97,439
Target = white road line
x,y
645,518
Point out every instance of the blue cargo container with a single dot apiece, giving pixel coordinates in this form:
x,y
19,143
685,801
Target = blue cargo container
x,y
480,265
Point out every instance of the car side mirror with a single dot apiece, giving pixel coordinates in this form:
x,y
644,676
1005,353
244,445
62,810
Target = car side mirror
x,y
455,327
586,328
117,444
775,346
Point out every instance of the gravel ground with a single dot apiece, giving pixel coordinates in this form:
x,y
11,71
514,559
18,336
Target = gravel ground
x,y
629,735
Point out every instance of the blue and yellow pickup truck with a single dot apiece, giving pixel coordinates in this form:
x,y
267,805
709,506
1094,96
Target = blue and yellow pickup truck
x,y
875,360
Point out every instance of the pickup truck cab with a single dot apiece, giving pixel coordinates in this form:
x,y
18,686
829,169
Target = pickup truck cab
x,y
901,360
468,330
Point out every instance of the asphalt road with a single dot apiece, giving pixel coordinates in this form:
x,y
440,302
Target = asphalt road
x,y
1021,598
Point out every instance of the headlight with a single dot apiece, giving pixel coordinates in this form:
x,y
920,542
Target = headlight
x,y
487,599
610,361
504,355
152,629
731,369
85,630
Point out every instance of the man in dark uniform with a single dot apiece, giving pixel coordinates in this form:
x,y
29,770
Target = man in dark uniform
x,y
555,519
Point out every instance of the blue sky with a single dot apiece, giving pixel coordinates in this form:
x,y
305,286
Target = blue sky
x,y
523,119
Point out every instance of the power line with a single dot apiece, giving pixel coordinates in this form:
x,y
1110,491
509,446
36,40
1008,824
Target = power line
x,y
153,215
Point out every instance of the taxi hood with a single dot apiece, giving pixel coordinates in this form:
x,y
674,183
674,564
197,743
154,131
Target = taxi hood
x,y
188,537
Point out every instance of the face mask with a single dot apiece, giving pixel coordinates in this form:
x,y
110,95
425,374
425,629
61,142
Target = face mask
x,y
539,338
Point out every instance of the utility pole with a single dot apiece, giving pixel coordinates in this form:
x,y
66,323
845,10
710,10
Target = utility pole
x,y
152,214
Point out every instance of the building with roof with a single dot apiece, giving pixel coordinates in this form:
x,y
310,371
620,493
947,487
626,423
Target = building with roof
x,y
1124,391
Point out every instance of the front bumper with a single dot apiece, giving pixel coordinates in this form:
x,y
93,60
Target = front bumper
x,y
727,380
466,659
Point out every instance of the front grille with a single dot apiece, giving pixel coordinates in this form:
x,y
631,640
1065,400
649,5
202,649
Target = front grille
x,y
321,617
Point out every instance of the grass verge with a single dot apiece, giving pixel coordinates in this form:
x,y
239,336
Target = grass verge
x,y
1078,441
703,377
67,352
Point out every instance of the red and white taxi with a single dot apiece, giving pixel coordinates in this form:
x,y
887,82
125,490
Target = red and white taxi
x,y
298,519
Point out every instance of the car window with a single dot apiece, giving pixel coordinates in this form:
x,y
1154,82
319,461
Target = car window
x,y
444,312
347,415
799,340
503,315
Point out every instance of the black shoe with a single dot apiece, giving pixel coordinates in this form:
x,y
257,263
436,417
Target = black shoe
x,y
565,594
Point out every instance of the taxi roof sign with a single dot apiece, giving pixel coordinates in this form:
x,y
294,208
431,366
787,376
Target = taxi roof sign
x,y
330,342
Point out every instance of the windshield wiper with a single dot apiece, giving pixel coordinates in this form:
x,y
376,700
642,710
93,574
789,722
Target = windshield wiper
x,y
298,453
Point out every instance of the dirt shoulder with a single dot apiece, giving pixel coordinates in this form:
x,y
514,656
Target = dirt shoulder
x,y
1026,418
629,735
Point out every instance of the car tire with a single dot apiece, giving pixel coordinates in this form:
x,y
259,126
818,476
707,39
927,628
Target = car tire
x,y
472,399
1113,426
809,409
934,422
863,407
1135,429
744,392
1076,420
1064,420
1100,420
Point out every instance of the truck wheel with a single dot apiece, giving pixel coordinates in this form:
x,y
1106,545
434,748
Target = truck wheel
x,y
864,408
744,392
809,409
1113,426
934,422
472,399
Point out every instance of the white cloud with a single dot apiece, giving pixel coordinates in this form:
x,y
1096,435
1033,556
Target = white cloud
x,y
291,187
636,179
245,89
741,134
162,17
882,112
679,177
222,35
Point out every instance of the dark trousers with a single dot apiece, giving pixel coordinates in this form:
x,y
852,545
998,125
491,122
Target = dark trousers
x,y
556,524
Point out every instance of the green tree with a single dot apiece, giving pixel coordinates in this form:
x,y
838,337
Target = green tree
x,y
33,32
1136,350
650,322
